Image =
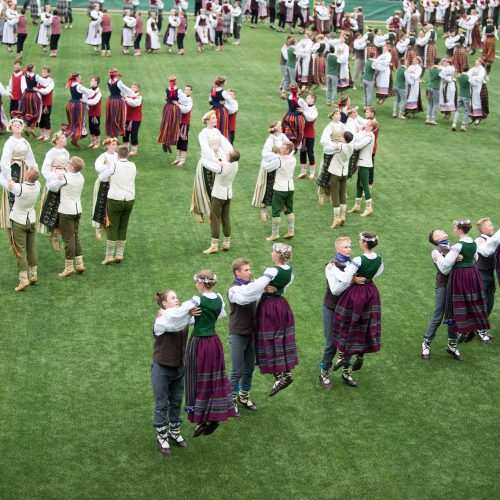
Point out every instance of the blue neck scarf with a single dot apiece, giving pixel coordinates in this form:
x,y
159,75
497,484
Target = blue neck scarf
x,y
241,282
444,243
342,258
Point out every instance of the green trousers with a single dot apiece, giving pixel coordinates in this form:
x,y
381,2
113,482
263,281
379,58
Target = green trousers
x,y
118,214
69,226
24,239
220,212
338,187
363,183
282,201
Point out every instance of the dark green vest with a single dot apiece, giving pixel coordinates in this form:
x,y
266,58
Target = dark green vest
x,y
369,72
400,82
463,85
332,66
292,58
282,279
434,78
468,251
204,325
369,267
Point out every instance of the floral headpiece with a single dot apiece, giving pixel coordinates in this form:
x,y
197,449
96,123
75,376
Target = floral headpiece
x,y
12,122
364,238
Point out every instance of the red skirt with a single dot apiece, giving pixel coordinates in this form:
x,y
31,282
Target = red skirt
x,y
222,121
460,59
319,77
115,117
489,49
30,109
75,114
170,124
293,127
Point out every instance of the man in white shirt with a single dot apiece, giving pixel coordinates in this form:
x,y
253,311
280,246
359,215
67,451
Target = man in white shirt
x,y
121,195
222,193
284,164
23,223
70,185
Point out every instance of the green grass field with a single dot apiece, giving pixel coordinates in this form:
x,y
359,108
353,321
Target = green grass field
x,y
75,394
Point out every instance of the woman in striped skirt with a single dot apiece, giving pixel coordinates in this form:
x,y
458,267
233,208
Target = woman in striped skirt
x,y
115,105
101,188
218,98
171,116
357,325
293,123
466,309
75,109
209,399
275,343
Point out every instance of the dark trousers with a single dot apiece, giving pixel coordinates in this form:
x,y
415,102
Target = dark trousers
x,y
105,39
232,134
371,173
220,212
308,152
236,31
168,388
95,125
132,133
69,226
182,144
218,38
180,40
281,20
137,41
45,117
68,19
296,16
20,42
197,8
119,214
488,279
14,106
242,349
255,16
54,41
272,15
24,240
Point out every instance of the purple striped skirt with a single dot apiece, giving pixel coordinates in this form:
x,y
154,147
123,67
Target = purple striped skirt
x,y
75,113
293,127
275,344
208,393
465,303
115,117
357,322
170,124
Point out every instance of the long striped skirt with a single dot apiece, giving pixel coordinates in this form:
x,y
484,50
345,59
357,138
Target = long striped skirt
x,y
293,127
323,180
485,101
208,393
489,49
465,302
430,55
319,77
100,202
460,59
115,117
62,8
30,109
75,114
49,215
410,55
275,346
222,120
18,170
357,321
170,124
371,52
475,43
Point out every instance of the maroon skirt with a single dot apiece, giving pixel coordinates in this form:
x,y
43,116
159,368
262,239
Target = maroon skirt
x,y
357,321
460,59
293,127
465,302
170,124
275,346
115,117
30,108
319,77
208,393
75,114
222,120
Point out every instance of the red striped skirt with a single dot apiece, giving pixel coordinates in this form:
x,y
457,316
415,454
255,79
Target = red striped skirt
x,y
489,48
319,77
170,124
460,59
293,127
222,121
75,113
115,117
30,109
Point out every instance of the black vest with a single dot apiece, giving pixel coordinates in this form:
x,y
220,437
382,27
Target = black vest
x,y
170,348
441,279
330,300
485,263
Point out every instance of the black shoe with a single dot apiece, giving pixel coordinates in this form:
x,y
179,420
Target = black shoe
x,y
282,384
340,363
164,147
246,403
177,439
469,336
200,429
210,428
346,377
358,363
454,353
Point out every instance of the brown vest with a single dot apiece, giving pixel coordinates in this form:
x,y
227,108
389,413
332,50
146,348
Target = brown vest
x,y
330,300
485,263
170,347
441,279
242,319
